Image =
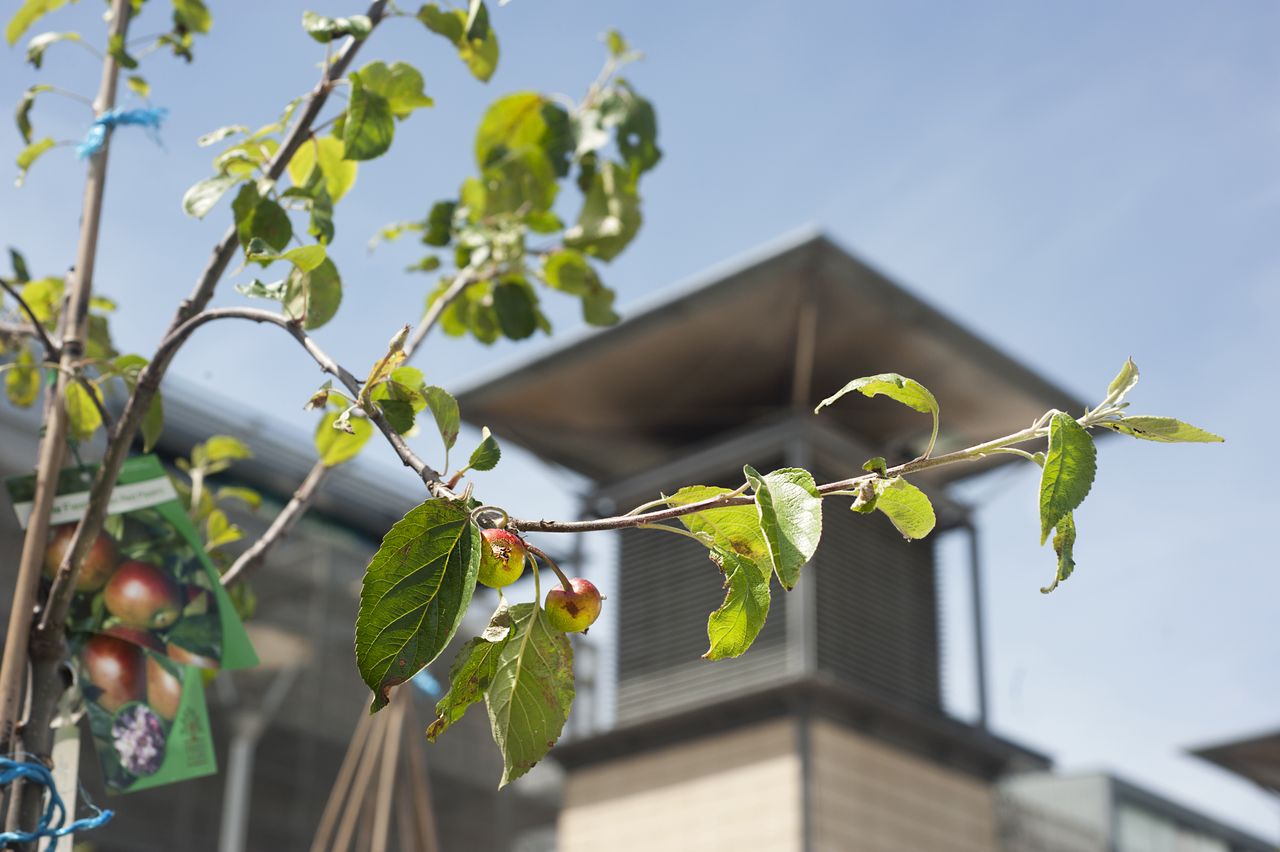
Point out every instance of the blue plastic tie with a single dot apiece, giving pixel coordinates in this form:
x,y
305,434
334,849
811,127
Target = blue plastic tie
x,y
148,117
55,811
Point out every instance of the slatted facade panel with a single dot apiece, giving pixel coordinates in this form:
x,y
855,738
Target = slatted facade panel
x,y
667,588
877,608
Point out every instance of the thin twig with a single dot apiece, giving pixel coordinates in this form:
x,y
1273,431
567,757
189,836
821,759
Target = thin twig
x,y
52,350
280,528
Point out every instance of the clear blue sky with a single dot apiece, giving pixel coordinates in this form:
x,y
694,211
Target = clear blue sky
x,y
1077,182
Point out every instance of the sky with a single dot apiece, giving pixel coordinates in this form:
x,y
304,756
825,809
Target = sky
x,y
1078,183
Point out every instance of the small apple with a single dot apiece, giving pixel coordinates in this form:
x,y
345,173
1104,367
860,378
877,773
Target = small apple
x,y
575,609
115,666
142,595
99,562
145,638
164,691
502,555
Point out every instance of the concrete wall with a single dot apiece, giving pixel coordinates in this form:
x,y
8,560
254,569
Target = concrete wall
x,y
872,797
733,791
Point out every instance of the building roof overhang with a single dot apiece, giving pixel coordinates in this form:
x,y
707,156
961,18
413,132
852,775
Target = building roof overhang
x,y
772,333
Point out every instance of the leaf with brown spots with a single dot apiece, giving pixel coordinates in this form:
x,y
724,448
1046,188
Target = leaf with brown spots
x,y
414,594
531,691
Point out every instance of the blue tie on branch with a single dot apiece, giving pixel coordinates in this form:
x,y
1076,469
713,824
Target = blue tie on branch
x,y
148,117
55,812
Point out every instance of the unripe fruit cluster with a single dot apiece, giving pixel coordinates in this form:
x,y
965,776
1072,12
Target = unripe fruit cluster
x,y
572,606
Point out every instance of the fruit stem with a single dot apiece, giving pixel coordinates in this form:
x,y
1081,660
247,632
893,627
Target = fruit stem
x,y
564,581
490,510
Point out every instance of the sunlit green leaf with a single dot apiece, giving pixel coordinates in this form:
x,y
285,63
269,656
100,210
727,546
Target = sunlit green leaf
x,y
335,446
1165,430
200,198
610,214
259,218
444,408
369,126
326,153
732,528
472,672
313,296
531,691
28,156
906,506
215,136
83,416
1124,381
734,626
1064,542
909,392
400,84
39,44
487,455
28,13
22,379
1069,468
414,594
192,15
790,511
468,31
22,116
325,30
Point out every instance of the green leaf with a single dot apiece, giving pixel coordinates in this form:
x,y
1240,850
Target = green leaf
x,y
215,136
472,672
485,456
223,448
469,32
399,414
569,272
22,384
117,48
44,297
326,154
39,44
1165,430
1064,542
315,295
192,15
200,198
19,264
28,13
325,30
139,86
369,127
247,496
335,446
439,227
734,626
906,506
445,410
516,148
636,128
152,423
610,214
597,308
1123,382
616,43
731,528
1069,468
22,115
400,84
790,511
414,594
909,392
259,218
28,156
531,691
304,258
83,415
219,530
517,311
